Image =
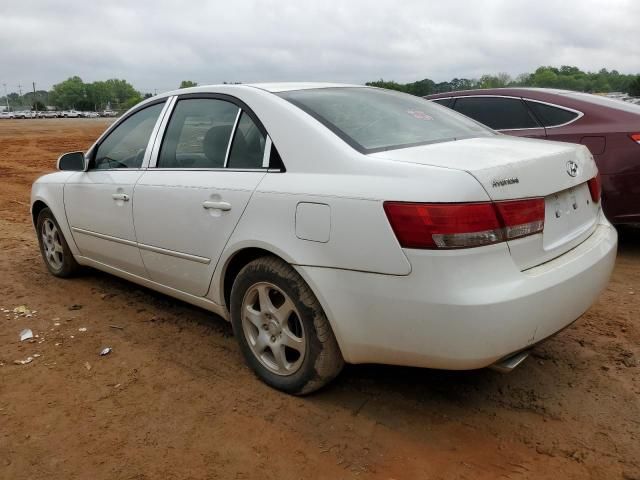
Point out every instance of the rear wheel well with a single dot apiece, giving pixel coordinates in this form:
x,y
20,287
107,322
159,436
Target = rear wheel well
x,y
237,263
38,206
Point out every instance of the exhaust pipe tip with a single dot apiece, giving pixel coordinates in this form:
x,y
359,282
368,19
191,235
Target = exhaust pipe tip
x,y
510,363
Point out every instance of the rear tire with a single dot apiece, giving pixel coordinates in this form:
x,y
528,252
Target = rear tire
x,y
283,333
53,246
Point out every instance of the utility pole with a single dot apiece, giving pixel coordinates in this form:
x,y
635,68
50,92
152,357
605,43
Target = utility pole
x,y
20,89
35,101
6,97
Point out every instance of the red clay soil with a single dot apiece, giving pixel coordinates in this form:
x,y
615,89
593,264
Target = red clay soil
x,y
175,400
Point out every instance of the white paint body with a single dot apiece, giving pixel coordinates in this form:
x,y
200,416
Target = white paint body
x,y
456,309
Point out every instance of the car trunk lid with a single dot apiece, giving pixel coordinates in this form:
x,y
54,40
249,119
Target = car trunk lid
x,y
514,168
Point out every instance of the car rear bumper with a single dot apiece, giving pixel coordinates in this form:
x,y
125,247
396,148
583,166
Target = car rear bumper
x,y
461,309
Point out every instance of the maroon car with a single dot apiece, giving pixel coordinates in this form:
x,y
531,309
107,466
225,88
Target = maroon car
x,y
609,128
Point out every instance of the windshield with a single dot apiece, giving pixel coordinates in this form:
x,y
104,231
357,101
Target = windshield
x,y
373,120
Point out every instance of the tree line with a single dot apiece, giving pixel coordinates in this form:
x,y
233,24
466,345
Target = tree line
x,y
565,77
119,94
73,93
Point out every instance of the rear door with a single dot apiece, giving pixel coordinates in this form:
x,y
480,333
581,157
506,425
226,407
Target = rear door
x,y
98,202
508,115
207,166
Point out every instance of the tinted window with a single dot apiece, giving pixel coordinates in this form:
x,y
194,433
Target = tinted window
x,y
445,102
247,149
551,116
125,146
198,134
371,119
497,113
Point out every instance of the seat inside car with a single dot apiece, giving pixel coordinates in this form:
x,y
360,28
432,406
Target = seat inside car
x,y
214,146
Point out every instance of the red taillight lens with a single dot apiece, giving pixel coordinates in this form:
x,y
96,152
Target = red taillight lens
x,y
595,188
521,217
635,137
463,225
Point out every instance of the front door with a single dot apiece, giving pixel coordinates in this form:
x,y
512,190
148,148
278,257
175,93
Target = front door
x,y
209,164
99,201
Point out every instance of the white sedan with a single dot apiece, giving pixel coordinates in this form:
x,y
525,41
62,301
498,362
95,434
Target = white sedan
x,y
335,223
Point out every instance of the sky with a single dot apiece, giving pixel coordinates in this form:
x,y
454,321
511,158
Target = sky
x,y
154,44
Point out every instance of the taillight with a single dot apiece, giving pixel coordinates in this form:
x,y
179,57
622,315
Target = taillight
x,y
463,225
635,137
595,188
521,217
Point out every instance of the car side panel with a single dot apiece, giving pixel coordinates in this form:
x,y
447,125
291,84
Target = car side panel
x,y
359,236
49,189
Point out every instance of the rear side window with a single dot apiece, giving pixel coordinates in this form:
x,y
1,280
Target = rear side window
x,y
198,134
551,116
497,112
247,149
124,147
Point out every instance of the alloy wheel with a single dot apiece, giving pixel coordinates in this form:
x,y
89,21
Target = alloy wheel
x,y
273,328
52,246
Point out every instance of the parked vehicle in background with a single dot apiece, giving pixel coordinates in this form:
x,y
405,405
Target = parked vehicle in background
x,y
24,114
108,113
609,127
48,114
70,114
334,223
90,114
7,115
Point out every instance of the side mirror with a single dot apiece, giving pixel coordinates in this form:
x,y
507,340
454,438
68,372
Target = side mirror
x,y
73,162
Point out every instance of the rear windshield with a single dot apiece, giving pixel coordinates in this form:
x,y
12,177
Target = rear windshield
x,y
605,101
373,120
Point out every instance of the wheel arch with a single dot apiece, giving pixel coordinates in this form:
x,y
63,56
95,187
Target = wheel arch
x,y
48,192
237,260
36,208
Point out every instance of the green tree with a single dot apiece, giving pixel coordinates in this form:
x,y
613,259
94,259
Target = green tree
x,y
122,93
68,94
188,83
99,95
634,87
389,85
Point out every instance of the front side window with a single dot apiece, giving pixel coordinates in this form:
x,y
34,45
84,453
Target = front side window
x,y
551,116
371,119
124,147
198,134
497,112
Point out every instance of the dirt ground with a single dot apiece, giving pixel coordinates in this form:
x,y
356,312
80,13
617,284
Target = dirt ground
x,y
175,400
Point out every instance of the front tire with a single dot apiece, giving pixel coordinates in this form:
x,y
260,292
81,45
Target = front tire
x,y
283,333
53,246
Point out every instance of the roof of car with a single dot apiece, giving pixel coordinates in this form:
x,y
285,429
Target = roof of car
x,y
499,91
268,87
289,86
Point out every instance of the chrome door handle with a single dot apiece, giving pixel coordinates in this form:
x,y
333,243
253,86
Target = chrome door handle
x,y
210,205
120,196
